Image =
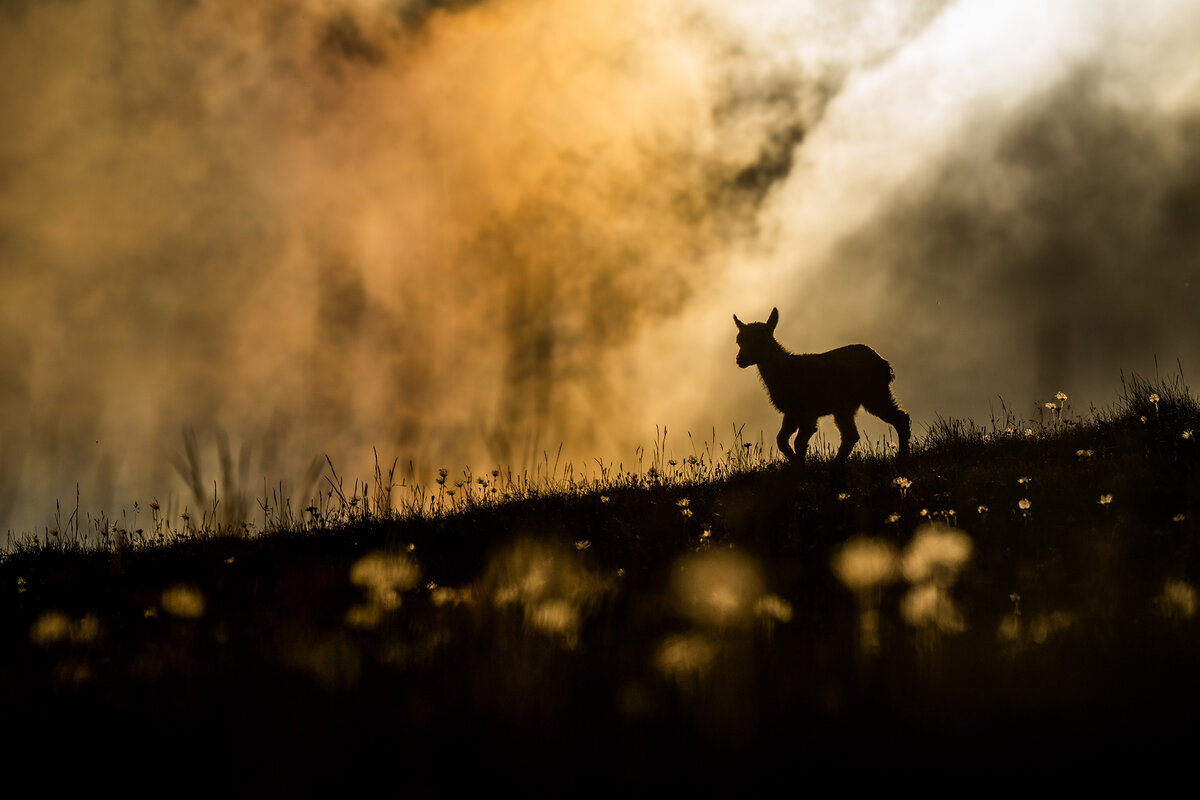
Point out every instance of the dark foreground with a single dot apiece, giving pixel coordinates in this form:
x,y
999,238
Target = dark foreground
x,y
712,637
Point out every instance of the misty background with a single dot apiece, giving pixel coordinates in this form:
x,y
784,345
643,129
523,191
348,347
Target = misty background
x,y
466,233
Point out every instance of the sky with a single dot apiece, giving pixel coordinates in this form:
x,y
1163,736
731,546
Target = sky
x,y
466,234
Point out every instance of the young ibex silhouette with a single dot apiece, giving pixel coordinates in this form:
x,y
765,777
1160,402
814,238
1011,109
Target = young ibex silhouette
x,y
809,386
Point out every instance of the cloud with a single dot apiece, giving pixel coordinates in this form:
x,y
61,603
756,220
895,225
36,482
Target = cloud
x,y
297,228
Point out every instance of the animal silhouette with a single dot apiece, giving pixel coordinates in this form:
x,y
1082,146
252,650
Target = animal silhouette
x,y
806,387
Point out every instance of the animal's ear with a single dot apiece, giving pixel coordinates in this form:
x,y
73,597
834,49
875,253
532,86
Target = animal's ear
x,y
741,325
773,320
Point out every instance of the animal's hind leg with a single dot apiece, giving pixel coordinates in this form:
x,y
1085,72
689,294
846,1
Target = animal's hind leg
x,y
849,432
888,409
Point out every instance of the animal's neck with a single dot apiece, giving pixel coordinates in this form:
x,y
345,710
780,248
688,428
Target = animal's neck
x,y
773,364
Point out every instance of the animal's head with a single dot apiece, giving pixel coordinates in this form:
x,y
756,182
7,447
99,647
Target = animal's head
x,y
755,339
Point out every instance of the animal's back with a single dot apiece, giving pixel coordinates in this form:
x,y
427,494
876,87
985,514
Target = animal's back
x,y
859,361
838,379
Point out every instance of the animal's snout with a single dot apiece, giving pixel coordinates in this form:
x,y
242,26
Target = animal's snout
x,y
741,361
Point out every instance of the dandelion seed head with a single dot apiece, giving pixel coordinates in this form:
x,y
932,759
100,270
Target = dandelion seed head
x,y
50,627
1023,504
1060,396
685,657
936,553
182,600
1044,626
1154,398
1051,406
929,605
384,575
863,563
773,608
1105,499
717,587
1177,599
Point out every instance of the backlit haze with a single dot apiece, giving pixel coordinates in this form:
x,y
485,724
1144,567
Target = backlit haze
x,y
466,233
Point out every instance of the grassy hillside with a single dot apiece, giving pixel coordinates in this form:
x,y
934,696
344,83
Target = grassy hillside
x,y
1019,599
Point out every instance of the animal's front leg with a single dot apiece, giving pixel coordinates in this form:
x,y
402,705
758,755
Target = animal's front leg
x,y
792,424
785,433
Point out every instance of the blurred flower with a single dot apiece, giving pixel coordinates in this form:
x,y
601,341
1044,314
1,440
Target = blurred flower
x,y
1177,599
1061,396
1044,626
182,600
772,607
717,587
863,563
1105,499
685,658
384,573
937,554
1023,504
51,626
547,584
929,605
